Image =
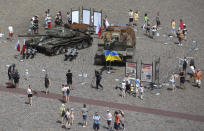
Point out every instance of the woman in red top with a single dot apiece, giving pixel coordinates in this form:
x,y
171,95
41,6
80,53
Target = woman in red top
x,y
181,24
117,119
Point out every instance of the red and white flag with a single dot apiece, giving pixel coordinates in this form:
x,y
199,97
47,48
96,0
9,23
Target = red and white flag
x,y
99,32
17,46
23,48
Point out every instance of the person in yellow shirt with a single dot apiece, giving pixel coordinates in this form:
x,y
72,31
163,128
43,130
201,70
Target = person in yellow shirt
x,y
173,27
136,17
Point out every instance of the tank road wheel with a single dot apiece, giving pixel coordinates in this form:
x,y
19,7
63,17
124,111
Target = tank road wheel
x,y
85,44
59,50
79,46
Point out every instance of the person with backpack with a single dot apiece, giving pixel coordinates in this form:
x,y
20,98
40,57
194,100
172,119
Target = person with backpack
x,y
16,78
69,78
67,117
98,79
62,113
67,92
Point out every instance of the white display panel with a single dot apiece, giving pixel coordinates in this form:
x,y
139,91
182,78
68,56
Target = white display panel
x,y
86,17
75,16
97,18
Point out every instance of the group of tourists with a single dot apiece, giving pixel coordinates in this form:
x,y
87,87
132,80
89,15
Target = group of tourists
x,y
195,76
67,118
133,87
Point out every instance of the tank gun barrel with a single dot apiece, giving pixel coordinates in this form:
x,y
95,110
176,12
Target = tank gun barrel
x,y
32,35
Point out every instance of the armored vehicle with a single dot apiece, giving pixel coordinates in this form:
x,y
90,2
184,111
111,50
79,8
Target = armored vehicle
x,y
116,38
57,40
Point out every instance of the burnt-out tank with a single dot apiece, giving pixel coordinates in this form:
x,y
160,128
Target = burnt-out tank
x,y
116,38
57,40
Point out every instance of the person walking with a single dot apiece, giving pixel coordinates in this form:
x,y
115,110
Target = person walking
x,y
136,17
69,78
198,78
16,78
185,65
173,81
96,121
67,117
141,91
173,27
180,37
123,89
130,14
67,92
122,119
10,28
109,119
117,121
182,79
62,113
30,95
145,21
181,25
98,79
47,84
72,116
192,73
84,113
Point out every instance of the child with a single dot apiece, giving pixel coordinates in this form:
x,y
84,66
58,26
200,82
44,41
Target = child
x,y
141,91
72,116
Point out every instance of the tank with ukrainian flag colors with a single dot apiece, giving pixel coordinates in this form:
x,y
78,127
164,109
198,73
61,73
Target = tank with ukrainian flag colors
x,y
117,44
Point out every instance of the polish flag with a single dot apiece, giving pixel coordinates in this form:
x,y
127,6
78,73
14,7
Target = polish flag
x,y
17,46
23,48
99,32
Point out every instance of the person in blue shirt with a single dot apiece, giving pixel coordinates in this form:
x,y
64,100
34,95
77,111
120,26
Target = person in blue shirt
x,y
96,124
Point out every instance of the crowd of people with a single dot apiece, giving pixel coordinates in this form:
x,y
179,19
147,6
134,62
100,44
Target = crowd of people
x,y
195,76
67,118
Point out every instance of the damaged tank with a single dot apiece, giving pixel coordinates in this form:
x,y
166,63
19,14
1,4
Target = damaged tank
x,y
116,38
57,40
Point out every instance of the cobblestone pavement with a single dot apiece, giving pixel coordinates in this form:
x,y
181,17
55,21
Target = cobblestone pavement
x,y
43,115
108,104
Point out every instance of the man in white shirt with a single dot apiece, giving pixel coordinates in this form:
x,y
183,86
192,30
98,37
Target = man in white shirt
x,y
192,73
10,28
109,119
130,13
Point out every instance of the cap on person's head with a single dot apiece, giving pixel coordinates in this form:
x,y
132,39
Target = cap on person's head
x,y
69,70
108,111
63,104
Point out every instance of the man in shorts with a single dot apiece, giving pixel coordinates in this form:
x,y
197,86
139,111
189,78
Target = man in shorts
x,y
96,119
130,13
109,119
84,112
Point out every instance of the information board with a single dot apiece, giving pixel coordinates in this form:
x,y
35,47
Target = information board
x,y
146,73
75,16
131,69
86,16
